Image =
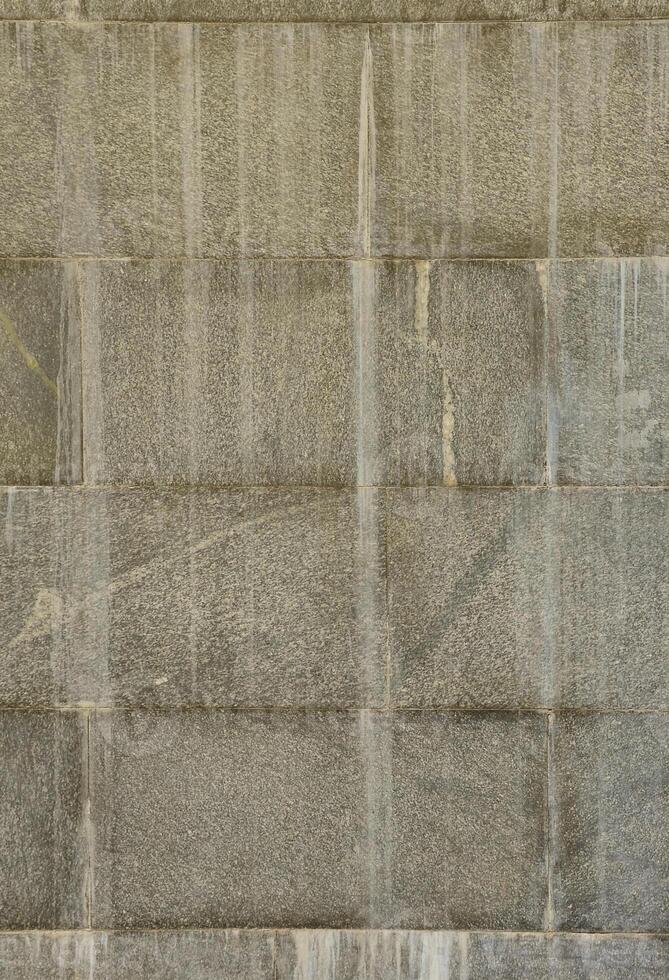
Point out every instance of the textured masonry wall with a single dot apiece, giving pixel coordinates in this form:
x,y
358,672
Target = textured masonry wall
x,y
334,570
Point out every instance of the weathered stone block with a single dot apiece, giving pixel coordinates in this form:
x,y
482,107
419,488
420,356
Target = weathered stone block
x,y
243,598
261,818
613,168
611,360
32,70
550,598
42,786
344,955
46,955
212,140
466,597
467,844
219,373
40,383
610,817
313,372
610,637
335,795
232,954
462,135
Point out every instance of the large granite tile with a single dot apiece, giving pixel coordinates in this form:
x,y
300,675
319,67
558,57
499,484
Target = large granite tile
x,y
311,372
214,140
244,598
42,786
610,817
466,831
613,168
46,956
320,819
32,179
553,598
462,126
40,425
255,818
610,351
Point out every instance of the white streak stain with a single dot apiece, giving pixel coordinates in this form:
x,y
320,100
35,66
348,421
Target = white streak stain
x,y
189,38
447,428
366,151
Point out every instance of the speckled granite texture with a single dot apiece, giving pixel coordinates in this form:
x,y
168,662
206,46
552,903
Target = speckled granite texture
x,y
334,544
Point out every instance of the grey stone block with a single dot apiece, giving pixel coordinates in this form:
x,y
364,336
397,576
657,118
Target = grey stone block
x,y
610,819
611,649
610,330
339,10
467,820
42,787
550,598
313,372
338,819
40,424
219,373
32,69
256,818
613,169
485,331
231,954
466,597
46,956
212,140
260,598
462,126
344,955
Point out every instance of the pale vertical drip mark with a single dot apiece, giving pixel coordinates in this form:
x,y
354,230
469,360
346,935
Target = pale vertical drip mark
x,y
247,329
155,204
421,300
469,34
88,828
191,155
364,299
69,450
9,495
366,150
620,344
375,737
244,110
463,948
91,372
550,823
554,149
543,270
72,9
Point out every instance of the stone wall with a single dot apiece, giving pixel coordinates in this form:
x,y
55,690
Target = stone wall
x,y
334,571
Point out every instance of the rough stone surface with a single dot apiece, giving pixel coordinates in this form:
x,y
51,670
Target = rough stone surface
x,y
244,598
181,139
611,814
613,187
316,792
40,424
220,373
469,177
610,336
42,785
314,372
328,955
32,71
453,955
551,598
467,820
334,10
258,818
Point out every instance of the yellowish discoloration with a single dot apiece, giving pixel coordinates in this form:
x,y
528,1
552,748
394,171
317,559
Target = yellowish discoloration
x,y
27,357
447,427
